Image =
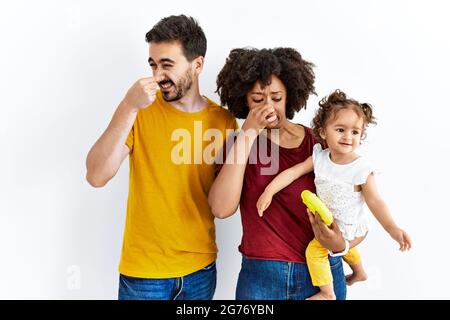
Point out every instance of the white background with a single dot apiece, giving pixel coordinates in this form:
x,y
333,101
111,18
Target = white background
x,y
65,66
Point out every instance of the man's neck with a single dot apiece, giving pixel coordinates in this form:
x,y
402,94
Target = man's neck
x,y
191,102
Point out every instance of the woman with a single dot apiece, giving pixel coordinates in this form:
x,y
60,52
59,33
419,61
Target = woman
x,y
266,87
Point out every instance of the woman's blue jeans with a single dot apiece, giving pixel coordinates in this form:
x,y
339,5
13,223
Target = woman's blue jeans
x,y
279,280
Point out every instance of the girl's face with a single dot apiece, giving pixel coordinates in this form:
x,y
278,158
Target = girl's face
x,y
343,132
274,95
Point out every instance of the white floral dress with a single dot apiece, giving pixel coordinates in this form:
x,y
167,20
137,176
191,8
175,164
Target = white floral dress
x,y
335,186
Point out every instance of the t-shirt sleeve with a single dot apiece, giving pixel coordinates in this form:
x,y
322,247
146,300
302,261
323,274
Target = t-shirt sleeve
x,y
363,172
317,149
130,139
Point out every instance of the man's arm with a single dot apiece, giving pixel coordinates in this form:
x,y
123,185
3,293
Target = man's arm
x,y
105,157
107,154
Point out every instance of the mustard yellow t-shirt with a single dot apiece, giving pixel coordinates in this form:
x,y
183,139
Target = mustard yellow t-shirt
x,y
169,228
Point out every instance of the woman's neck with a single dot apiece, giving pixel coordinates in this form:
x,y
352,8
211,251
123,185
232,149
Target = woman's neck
x,y
290,135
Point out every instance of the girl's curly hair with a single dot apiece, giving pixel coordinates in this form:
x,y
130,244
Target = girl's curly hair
x,y
245,66
337,100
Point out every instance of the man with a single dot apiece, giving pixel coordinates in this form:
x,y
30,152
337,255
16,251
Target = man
x,y
169,248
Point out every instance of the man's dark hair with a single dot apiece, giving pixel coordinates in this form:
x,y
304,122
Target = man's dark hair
x,y
180,28
244,67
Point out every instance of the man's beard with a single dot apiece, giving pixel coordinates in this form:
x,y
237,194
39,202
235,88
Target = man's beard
x,y
179,89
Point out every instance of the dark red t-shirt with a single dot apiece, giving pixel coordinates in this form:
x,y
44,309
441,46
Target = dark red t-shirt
x,y
284,231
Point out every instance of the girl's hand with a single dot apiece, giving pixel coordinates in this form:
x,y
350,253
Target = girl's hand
x,y
259,117
402,238
263,202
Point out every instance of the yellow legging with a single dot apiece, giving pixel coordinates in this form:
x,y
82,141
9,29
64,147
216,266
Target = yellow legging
x,y
319,266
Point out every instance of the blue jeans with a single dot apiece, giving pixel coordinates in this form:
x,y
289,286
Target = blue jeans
x,y
278,280
199,285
